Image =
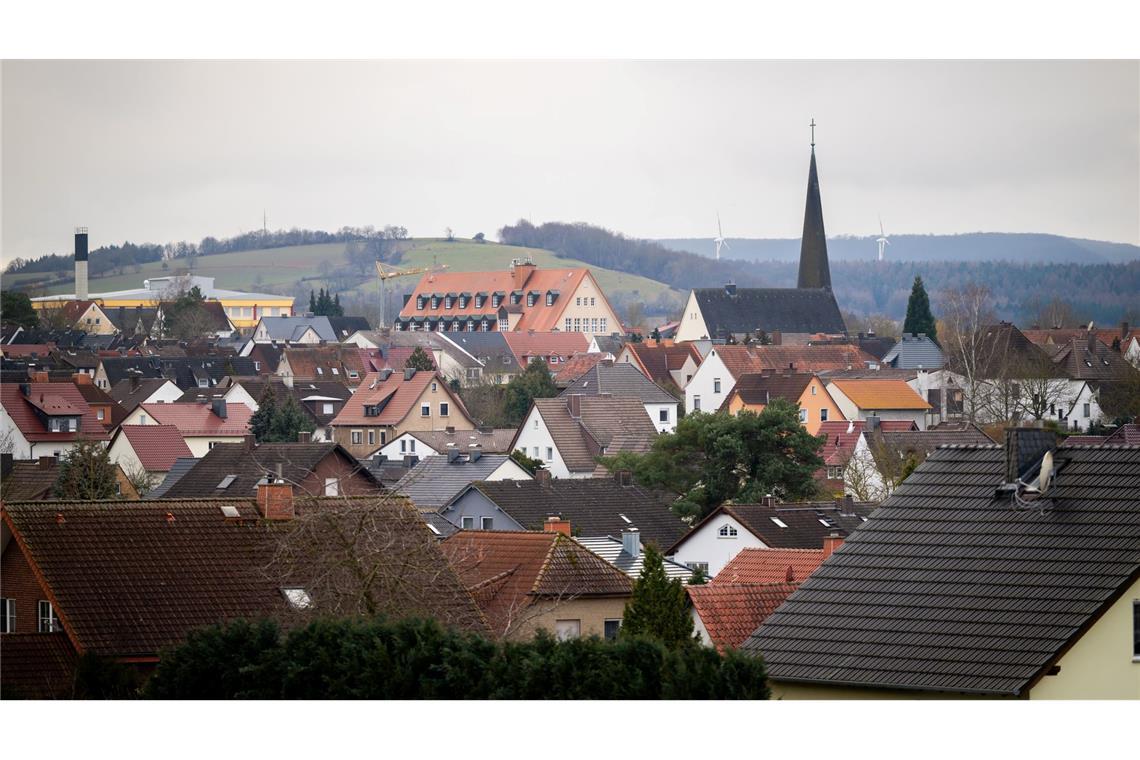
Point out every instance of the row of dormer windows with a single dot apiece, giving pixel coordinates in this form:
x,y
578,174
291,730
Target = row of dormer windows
x,y
463,300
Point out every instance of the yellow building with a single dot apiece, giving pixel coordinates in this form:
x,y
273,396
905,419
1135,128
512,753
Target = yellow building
x,y
968,583
243,309
754,391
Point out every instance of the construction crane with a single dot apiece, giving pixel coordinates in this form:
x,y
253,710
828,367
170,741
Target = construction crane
x,y
385,272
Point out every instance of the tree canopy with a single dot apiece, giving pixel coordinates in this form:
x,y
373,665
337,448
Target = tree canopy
x,y
659,607
712,458
86,472
419,360
274,422
326,304
919,318
16,308
535,382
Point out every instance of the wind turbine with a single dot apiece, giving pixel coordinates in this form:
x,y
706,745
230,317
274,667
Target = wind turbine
x,y
720,240
882,241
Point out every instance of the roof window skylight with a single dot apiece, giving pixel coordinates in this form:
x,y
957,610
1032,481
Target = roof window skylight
x,y
779,523
227,481
230,511
298,598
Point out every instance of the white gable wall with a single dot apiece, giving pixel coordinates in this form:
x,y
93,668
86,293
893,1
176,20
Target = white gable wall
x,y
704,384
692,325
706,545
534,437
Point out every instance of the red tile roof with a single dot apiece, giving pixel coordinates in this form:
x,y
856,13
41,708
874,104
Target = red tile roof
x,y
656,360
506,571
732,612
199,419
741,359
770,566
842,435
52,398
576,366
26,349
396,397
157,446
529,344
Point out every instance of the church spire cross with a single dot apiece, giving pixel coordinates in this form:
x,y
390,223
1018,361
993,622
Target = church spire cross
x,y
812,125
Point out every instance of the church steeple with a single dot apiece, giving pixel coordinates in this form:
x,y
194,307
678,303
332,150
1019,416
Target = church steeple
x,y
815,272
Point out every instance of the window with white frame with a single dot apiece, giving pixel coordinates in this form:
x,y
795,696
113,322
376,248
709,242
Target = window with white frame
x,y
535,450
565,630
47,621
702,566
803,415
549,453
326,408
486,523
813,390
7,615
371,437
332,486
358,436
834,472
444,408
99,413
425,410
467,523
696,403
727,531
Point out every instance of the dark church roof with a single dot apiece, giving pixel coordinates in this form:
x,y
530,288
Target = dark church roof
x,y
788,310
814,269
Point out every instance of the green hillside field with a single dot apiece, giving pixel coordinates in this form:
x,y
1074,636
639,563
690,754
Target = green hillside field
x,y
277,270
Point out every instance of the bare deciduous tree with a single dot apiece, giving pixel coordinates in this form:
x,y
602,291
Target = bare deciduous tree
x,y
967,312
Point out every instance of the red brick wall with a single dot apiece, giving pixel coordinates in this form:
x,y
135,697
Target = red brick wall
x,y
17,582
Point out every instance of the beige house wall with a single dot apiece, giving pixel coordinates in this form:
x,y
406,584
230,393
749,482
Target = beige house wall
x,y
599,310
104,326
413,421
592,614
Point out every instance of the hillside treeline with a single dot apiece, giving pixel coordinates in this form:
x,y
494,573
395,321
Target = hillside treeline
x,y
102,260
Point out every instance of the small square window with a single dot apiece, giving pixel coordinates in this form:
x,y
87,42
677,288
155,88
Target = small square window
x,y
47,621
467,523
565,630
425,410
486,523
326,408
611,629
664,415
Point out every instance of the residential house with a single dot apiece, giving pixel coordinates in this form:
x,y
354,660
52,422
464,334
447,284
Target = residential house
x,y
498,363
526,581
725,615
69,586
914,352
1095,373
319,400
668,364
719,537
840,442
732,312
430,443
570,432
627,553
626,381
450,355
45,419
202,426
762,566
314,469
389,404
147,452
554,348
1127,434
131,392
520,299
967,583
86,315
109,413
723,365
753,392
292,331
184,371
34,480
592,508
304,363
884,399
138,321
435,480
213,320
577,365
1124,339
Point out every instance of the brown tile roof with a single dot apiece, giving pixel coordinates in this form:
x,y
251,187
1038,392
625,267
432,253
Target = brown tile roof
x,y
1080,362
757,389
30,480
731,612
494,441
741,359
528,344
51,398
157,446
657,360
576,366
791,525
318,362
881,394
199,419
608,425
770,566
506,571
130,393
36,666
190,566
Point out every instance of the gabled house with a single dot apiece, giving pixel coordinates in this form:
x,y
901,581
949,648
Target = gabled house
x,y
627,553
435,480
568,433
526,581
554,348
109,413
291,331
446,350
34,480
577,365
87,315
969,583
304,363
884,399
732,312
666,363
717,539
320,400
498,363
592,507
521,298
430,443
69,586
389,404
753,392
725,615
625,381
914,352
202,426
840,442
147,452
45,419
131,392
137,321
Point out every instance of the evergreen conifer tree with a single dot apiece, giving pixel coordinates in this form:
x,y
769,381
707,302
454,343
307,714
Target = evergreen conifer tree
x,y
919,318
419,360
261,423
312,302
659,607
86,472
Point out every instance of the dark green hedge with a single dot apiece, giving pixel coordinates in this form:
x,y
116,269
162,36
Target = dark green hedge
x,y
414,659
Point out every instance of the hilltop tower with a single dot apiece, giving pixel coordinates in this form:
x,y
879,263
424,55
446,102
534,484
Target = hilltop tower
x,y
815,272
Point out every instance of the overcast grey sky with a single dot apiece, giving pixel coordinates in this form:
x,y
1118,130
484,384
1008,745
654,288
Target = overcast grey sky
x,y
161,151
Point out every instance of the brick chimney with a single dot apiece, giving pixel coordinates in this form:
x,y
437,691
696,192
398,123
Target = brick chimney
x,y
574,405
521,271
275,499
80,378
304,436
555,524
40,376
542,475
831,543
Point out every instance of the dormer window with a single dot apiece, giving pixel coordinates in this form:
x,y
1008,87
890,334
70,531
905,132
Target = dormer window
x,y
320,371
550,298
479,299
435,301
496,299
420,301
447,301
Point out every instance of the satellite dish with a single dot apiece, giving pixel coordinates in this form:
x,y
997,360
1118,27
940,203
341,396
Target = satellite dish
x,y
1046,474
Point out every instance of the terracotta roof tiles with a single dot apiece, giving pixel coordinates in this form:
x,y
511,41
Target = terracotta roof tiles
x,y
156,446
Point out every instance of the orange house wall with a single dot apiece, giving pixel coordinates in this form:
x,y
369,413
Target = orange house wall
x,y
821,400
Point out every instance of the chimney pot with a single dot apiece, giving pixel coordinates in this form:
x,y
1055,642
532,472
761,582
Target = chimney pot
x,y
304,436
555,524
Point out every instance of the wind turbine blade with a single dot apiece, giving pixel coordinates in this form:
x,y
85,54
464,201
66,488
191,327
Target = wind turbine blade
x,y
881,226
726,245
719,231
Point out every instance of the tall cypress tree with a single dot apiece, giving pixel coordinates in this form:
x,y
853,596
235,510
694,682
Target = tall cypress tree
x,y
919,318
312,302
659,607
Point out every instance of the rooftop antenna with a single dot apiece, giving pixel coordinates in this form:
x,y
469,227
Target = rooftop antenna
x,y
882,241
720,240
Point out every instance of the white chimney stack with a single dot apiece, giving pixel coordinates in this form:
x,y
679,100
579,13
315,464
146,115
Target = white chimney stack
x,y
81,263
631,542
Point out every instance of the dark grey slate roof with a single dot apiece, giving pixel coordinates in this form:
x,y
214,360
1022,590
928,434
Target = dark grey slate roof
x,y
594,507
181,466
619,380
949,587
343,327
913,352
793,525
291,328
434,481
491,348
789,310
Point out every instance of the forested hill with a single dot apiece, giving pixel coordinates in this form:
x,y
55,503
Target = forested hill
x,y
975,246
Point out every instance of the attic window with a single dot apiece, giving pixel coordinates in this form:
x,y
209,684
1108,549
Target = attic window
x,y
728,531
335,371
298,598
824,523
353,374
228,510
779,523
320,371
628,521
227,481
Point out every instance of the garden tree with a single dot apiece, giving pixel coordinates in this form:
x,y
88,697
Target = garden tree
x,y
261,422
325,304
967,313
1120,399
355,658
86,472
419,360
659,607
486,402
184,317
919,318
712,458
141,480
862,479
53,317
534,382
1042,387
530,464
16,308
274,422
